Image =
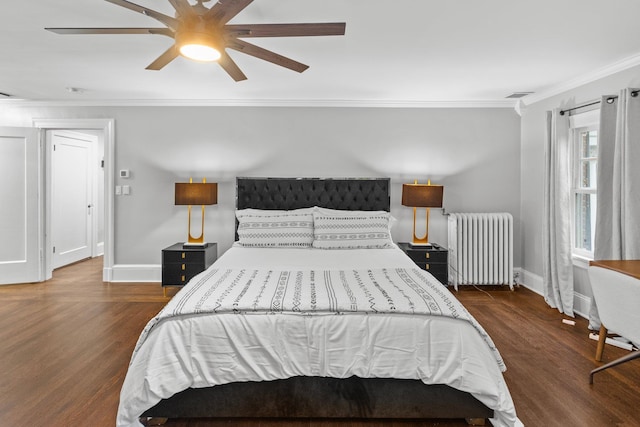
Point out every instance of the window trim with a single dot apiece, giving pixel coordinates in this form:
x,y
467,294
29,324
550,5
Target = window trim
x,y
587,121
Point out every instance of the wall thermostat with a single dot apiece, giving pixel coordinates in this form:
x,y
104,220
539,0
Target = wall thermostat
x,y
124,173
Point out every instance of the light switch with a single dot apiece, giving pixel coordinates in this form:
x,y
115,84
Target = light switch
x,y
126,190
118,190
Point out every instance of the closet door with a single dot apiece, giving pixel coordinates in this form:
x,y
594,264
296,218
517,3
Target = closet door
x,y
20,210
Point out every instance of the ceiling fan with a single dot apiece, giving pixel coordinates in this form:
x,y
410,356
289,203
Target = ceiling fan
x,y
203,34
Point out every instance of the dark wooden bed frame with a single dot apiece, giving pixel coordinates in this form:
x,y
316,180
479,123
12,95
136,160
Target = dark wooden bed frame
x,y
319,397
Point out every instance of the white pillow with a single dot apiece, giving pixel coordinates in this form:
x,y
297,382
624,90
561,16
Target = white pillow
x,y
283,229
327,211
351,230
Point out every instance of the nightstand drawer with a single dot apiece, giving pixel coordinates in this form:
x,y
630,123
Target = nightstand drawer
x,y
179,274
425,256
188,256
435,269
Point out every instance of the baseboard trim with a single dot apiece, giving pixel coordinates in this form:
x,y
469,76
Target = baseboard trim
x,y
533,282
136,273
581,305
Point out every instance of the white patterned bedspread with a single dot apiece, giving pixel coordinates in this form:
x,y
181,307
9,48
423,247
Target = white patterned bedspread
x,y
242,324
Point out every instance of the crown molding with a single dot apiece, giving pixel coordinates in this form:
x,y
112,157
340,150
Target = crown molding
x,y
584,79
263,103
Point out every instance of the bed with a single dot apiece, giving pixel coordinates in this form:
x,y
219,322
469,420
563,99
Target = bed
x,y
294,322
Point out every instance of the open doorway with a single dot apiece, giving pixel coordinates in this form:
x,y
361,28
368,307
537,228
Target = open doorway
x,y
99,208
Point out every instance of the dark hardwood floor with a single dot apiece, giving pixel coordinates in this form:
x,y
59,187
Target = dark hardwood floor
x,y
65,345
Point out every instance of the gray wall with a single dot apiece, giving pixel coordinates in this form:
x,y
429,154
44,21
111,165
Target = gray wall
x,y
533,141
474,153
488,160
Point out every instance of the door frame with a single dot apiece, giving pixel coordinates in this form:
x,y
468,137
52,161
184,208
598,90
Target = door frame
x,y
107,128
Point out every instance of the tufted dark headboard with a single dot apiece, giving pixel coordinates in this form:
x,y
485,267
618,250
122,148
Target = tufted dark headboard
x,y
356,194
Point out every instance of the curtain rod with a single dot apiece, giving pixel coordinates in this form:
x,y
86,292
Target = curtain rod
x,y
610,100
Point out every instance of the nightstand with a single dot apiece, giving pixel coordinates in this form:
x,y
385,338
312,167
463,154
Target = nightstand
x,y
180,264
433,259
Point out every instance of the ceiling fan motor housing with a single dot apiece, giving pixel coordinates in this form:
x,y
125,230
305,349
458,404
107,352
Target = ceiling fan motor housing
x,y
198,34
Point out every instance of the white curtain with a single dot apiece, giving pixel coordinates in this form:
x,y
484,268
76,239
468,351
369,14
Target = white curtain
x,y
557,264
618,205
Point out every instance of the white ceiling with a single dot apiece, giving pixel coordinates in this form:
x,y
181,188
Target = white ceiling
x,y
404,52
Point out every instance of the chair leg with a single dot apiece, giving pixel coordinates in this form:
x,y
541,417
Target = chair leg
x,y
623,359
602,338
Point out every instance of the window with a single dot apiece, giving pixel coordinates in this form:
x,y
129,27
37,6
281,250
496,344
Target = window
x,y
584,175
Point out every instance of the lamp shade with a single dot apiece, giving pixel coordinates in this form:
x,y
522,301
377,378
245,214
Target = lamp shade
x,y
422,195
200,193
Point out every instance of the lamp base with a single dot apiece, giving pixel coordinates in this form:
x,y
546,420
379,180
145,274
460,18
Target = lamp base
x,y
194,245
420,244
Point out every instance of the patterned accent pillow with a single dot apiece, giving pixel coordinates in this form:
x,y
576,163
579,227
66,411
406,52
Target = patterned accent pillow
x,y
339,212
275,230
357,231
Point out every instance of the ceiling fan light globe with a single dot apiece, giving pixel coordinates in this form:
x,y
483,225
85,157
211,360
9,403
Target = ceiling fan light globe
x,y
200,52
198,44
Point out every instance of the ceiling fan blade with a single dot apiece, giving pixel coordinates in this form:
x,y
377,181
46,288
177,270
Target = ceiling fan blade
x,y
225,10
231,67
161,31
287,30
267,55
168,56
165,19
183,8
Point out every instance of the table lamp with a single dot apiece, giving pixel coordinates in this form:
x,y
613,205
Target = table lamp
x,y
196,194
422,196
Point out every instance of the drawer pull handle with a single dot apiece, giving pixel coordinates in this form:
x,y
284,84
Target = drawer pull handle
x,y
426,266
427,255
182,278
183,255
183,267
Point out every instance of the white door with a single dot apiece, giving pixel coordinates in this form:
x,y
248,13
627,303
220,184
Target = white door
x,y
71,197
20,210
